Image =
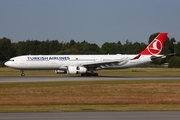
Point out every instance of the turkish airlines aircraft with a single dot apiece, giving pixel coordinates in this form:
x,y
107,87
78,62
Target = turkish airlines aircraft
x,y
87,64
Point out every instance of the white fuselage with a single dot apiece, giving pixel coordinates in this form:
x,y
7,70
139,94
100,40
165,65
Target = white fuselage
x,y
61,62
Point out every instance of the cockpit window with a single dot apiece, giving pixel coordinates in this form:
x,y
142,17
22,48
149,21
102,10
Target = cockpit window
x,y
11,60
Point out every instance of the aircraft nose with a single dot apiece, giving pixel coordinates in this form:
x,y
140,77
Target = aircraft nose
x,y
6,63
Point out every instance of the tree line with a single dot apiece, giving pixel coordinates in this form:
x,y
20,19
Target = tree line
x,y
36,47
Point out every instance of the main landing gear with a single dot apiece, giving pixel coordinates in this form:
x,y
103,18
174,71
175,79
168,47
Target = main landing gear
x,y
22,73
89,74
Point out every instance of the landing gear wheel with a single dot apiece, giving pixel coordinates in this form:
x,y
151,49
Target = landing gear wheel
x,y
84,74
95,74
89,74
22,74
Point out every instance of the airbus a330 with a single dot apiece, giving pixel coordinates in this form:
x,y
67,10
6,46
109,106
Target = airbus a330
x,y
85,65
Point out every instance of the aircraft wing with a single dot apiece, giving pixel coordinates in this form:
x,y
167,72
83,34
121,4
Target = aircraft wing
x,y
105,62
101,63
98,63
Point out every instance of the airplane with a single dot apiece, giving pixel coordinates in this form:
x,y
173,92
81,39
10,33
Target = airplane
x,y
85,65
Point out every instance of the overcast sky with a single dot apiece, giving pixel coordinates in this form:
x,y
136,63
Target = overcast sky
x,y
96,21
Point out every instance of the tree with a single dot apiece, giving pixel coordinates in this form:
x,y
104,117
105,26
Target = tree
x,y
43,48
91,49
54,46
151,38
109,48
72,42
174,62
177,47
21,48
7,50
127,47
32,47
137,47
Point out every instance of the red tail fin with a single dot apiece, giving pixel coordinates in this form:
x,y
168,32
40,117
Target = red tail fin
x,y
155,47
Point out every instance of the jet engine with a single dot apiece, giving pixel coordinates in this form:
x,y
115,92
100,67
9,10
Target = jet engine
x,y
76,70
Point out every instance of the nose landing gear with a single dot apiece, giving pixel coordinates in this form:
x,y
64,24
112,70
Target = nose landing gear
x,y
22,73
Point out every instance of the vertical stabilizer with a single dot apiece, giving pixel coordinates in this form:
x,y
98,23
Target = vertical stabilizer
x,y
155,47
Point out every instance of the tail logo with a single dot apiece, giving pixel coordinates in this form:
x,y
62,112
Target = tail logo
x,y
155,47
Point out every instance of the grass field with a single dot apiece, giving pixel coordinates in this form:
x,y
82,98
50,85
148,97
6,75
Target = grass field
x,y
92,95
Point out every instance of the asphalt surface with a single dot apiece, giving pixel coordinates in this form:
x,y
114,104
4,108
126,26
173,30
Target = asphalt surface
x,y
4,79
138,115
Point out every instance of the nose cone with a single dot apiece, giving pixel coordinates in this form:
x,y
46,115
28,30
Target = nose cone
x,y
10,64
6,63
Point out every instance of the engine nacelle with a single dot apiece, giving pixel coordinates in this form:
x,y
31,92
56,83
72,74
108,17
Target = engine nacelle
x,y
76,70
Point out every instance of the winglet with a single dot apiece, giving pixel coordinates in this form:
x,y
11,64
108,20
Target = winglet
x,y
155,47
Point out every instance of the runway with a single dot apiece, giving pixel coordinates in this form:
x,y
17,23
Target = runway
x,y
5,79
139,115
